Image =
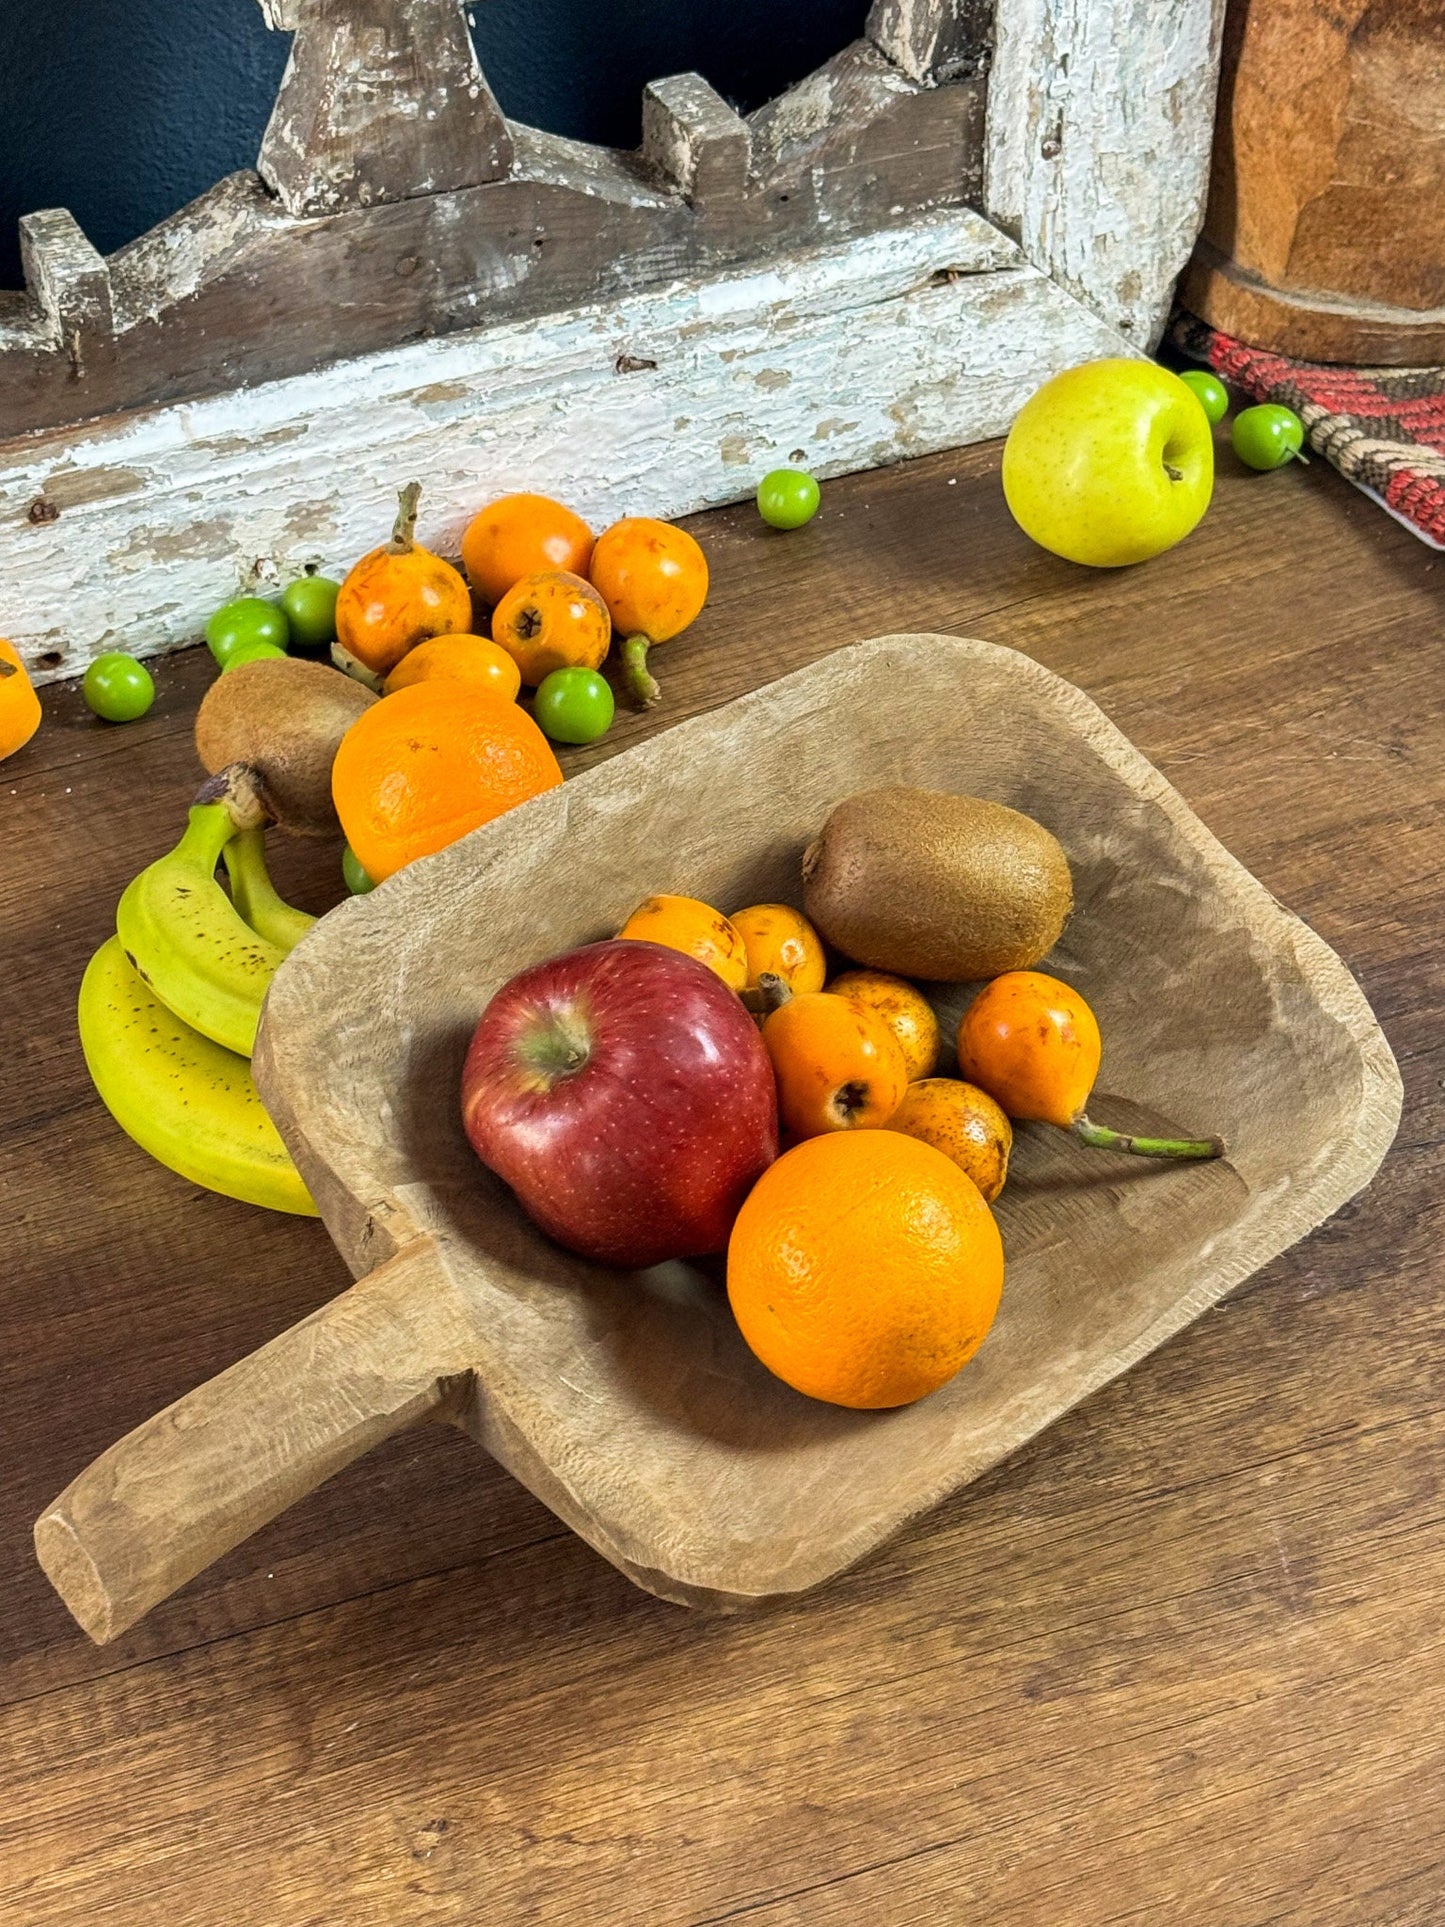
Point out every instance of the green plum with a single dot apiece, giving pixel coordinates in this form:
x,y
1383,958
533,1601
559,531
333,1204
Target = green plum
x,y
310,607
246,620
1267,436
787,498
252,652
1211,391
118,688
574,705
357,881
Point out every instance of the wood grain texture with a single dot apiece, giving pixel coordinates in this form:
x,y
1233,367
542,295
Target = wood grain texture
x,y
633,1409
1326,217
1099,121
393,205
1178,1660
925,336
381,100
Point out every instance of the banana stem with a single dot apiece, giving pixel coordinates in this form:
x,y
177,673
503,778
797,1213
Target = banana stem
x,y
640,679
243,792
1102,1138
403,532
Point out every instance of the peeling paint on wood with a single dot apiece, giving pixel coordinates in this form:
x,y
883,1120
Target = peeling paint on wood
x,y
1099,125
884,356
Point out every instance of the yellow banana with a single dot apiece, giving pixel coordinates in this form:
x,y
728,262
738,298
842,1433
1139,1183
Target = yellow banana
x,y
189,1102
255,896
182,934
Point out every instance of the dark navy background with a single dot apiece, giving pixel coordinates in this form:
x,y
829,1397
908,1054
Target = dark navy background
x,y
124,110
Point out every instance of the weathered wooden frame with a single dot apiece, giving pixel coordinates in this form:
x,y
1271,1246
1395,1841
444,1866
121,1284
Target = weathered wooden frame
x,y
882,261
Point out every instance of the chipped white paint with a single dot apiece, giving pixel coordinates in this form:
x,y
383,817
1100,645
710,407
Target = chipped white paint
x,y
1100,114
924,337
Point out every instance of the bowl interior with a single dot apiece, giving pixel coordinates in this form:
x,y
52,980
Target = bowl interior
x,y
629,1402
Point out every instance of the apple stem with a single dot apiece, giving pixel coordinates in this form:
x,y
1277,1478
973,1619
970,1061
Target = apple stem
x,y
403,531
640,679
1299,456
1102,1138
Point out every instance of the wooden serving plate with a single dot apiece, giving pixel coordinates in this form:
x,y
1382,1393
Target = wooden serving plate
x,y
628,1403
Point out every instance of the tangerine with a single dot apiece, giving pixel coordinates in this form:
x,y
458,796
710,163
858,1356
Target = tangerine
x,y
864,1269
423,767
519,535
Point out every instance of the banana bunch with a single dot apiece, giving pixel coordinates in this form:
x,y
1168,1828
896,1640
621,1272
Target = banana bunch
x,y
169,1005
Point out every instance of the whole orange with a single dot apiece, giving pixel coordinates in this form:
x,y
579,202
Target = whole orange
x,y
906,1011
519,534
781,941
423,767
865,1269
696,929
552,620
395,597
470,659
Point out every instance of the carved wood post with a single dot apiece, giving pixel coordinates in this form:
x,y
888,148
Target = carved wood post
x,y
69,281
381,100
933,39
694,139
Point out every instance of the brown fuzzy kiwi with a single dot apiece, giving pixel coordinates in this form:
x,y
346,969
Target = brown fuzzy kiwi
x,y
927,884
286,718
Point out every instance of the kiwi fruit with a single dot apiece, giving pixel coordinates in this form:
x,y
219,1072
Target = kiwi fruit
x,y
926,884
286,718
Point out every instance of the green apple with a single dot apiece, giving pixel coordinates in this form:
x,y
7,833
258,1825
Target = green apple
x,y
1109,463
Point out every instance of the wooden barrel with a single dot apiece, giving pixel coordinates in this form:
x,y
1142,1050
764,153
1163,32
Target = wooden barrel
x,y
1325,235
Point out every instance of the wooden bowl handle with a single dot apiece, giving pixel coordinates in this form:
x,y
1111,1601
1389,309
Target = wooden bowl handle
x,y
201,1476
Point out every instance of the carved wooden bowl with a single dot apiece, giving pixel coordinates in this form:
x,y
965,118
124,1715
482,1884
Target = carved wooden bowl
x,y
629,1403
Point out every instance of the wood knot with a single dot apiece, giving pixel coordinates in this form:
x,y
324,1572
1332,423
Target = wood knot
x,y
632,364
42,511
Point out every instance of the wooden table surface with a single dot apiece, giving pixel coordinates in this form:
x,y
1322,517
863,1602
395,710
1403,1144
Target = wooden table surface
x,y
1179,1661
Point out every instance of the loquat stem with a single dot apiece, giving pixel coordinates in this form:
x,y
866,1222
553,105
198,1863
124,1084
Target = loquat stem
x,y
769,994
403,531
640,679
1102,1138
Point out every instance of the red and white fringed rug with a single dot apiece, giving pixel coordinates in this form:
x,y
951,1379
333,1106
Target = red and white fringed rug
x,y
1382,428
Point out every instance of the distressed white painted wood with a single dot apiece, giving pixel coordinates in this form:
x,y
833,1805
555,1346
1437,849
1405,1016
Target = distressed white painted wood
x,y
926,336
1100,116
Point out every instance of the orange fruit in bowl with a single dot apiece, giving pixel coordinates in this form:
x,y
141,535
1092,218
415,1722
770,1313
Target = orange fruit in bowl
x,y
838,1066
781,942
431,763
964,1123
468,659
864,1269
906,1011
395,597
695,928
518,535
552,620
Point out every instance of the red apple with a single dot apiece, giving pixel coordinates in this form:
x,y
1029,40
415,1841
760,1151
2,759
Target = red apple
x,y
625,1095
